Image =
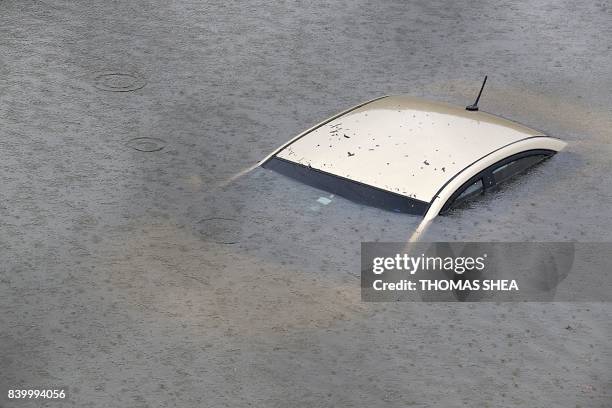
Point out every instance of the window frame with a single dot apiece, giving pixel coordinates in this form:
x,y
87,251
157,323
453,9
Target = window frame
x,y
488,179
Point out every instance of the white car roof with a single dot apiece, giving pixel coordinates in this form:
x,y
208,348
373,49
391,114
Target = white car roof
x,y
401,144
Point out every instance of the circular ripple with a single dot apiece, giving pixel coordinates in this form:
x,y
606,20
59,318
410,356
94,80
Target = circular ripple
x,y
220,230
146,144
118,81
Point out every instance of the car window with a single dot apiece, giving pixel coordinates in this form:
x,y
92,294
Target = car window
x,y
494,175
508,170
468,193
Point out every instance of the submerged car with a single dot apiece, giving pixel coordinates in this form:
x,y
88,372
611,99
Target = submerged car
x,y
411,155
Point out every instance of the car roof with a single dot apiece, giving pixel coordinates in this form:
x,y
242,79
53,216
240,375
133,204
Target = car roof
x,y
402,144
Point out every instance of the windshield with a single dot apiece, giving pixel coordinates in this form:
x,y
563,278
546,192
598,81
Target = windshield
x,y
350,189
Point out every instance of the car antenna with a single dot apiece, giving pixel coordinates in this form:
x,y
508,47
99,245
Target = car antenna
x,y
474,107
